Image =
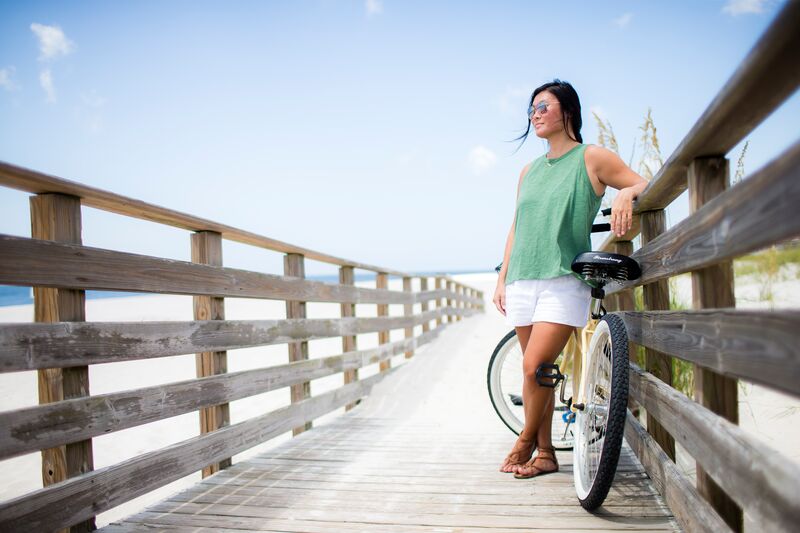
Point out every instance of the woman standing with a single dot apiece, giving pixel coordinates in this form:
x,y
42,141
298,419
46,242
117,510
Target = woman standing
x,y
558,196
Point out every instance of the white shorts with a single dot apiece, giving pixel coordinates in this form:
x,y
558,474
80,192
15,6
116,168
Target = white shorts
x,y
563,300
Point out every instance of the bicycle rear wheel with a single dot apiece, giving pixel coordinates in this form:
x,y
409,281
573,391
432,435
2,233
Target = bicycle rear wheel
x,y
504,381
599,426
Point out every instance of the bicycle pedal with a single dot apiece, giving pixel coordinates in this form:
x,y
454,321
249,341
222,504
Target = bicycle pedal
x,y
551,372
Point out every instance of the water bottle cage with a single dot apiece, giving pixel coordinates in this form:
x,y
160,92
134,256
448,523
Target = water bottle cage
x,y
548,375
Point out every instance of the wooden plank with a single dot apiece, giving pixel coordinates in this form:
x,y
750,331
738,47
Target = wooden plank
x,y
408,310
758,478
758,212
656,296
423,287
760,84
349,342
33,262
62,344
382,282
294,266
78,498
712,287
754,345
449,300
56,217
439,282
34,428
37,182
299,525
688,507
207,250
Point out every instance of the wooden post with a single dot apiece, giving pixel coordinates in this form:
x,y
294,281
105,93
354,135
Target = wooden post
x,y
449,302
382,282
207,250
459,302
712,287
408,312
294,265
57,217
439,284
349,343
656,297
623,300
423,286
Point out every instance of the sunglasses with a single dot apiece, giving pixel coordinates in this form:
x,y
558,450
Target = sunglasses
x,y
541,107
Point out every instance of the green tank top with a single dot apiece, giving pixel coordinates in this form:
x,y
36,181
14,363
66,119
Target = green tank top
x,y
555,211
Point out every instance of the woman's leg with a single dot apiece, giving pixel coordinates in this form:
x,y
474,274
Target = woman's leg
x,y
538,402
523,448
544,435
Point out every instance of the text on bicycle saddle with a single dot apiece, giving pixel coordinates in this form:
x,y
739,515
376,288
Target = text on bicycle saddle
x,y
605,266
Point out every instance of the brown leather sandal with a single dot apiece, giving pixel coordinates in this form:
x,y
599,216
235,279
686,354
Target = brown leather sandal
x,y
545,454
514,459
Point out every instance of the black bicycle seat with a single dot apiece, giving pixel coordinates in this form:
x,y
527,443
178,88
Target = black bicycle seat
x,y
602,267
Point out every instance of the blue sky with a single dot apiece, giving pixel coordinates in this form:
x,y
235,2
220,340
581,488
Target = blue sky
x,y
376,131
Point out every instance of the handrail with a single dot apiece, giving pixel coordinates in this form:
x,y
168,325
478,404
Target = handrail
x,y
766,78
27,180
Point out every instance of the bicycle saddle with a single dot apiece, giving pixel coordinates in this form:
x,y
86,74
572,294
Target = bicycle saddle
x,y
602,267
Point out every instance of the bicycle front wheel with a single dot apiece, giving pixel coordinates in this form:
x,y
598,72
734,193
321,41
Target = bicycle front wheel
x,y
504,381
601,422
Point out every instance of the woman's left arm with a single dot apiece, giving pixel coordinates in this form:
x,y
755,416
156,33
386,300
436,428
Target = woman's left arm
x,y
610,170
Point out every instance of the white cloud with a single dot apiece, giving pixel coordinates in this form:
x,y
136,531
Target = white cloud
x,y
52,41
624,20
481,159
46,79
742,7
7,79
374,7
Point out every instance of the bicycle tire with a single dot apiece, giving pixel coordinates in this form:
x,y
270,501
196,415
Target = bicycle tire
x,y
504,380
601,424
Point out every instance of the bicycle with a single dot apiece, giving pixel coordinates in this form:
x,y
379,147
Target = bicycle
x,y
592,420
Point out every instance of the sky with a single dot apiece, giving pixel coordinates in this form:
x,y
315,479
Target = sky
x,y
377,131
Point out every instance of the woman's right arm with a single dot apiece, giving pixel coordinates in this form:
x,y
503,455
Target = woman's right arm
x,y
500,291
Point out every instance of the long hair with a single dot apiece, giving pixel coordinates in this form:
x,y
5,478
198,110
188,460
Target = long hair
x,y
570,108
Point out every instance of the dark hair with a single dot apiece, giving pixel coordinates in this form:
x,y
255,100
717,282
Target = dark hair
x,y
570,108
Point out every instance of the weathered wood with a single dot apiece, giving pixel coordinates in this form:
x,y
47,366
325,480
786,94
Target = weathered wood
x,y
760,479
79,498
656,296
423,287
62,344
47,264
740,220
382,282
438,302
37,182
688,507
294,266
42,426
755,345
56,217
408,310
349,342
449,300
207,250
712,287
761,83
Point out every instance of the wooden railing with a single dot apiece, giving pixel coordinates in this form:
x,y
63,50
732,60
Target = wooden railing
x,y
61,345
736,472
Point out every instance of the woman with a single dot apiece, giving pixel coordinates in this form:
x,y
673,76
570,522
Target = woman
x,y
558,196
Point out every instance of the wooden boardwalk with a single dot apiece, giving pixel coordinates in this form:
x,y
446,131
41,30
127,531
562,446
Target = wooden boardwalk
x,y
421,453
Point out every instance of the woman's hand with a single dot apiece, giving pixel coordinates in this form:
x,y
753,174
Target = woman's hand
x,y
622,211
500,298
